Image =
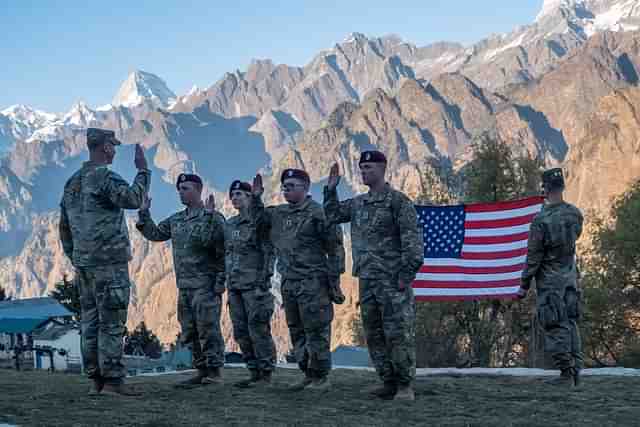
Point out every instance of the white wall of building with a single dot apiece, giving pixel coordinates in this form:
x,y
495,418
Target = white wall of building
x,y
69,342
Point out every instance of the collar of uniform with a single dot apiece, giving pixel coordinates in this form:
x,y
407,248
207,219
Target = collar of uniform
x,y
90,164
302,206
193,212
376,197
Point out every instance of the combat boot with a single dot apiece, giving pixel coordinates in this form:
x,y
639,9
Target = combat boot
x,y
405,392
577,381
385,391
565,379
119,390
320,384
214,376
96,386
306,382
265,378
252,381
194,381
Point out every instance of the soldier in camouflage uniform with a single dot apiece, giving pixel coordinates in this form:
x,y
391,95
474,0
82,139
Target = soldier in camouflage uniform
x,y
551,262
249,266
197,237
310,260
387,254
94,237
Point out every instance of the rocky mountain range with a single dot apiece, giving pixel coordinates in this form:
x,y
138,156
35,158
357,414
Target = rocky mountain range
x,y
564,88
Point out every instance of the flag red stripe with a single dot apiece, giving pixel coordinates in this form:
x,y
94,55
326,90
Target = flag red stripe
x,y
489,240
442,269
503,206
498,223
465,285
494,255
452,298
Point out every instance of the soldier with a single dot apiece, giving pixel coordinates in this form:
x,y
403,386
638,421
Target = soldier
x,y
94,237
387,253
551,262
310,260
197,237
249,266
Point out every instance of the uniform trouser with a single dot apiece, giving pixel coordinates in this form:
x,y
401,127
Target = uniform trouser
x,y
199,316
309,314
104,300
389,319
251,312
558,313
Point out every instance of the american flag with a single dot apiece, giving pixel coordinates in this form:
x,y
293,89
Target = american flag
x,y
475,251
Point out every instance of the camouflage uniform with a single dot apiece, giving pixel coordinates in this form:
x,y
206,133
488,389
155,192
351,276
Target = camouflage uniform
x,y
551,262
310,260
94,236
249,262
387,246
197,238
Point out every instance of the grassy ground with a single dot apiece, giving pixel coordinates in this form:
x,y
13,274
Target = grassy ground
x,y
37,398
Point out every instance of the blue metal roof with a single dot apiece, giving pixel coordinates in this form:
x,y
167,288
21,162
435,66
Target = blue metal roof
x,y
32,308
20,326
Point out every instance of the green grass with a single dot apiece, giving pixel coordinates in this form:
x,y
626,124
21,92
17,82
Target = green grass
x,y
38,398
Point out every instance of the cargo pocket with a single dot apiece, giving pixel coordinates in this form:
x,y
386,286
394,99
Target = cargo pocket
x,y
116,297
317,315
551,311
573,304
263,308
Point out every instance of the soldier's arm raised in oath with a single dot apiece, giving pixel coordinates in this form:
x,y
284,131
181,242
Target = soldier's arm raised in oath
x,y
337,212
123,195
411,241
148,228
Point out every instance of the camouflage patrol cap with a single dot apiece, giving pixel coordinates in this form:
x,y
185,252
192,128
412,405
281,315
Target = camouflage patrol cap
x,y
372,157
96,137
553,179
294,173
239,185
188,177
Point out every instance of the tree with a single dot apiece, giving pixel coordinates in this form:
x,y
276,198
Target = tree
x,y
3,295
611,283
142,341
68,294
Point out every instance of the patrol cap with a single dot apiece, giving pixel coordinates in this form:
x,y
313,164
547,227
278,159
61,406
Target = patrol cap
x,y
188,177
372,157
295,173
96,137
239,185
553,179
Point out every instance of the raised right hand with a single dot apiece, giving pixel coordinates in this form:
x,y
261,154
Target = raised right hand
x,y
257,188
139,160
334,177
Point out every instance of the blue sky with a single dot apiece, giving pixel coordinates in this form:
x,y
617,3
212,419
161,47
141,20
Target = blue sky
x,y
56,53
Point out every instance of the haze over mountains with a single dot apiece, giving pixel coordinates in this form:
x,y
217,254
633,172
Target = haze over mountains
x,y
564,87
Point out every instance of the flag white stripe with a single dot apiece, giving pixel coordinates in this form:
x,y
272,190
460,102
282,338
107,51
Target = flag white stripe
x,y
512,213
457,262
426,292
462,277
495,247
502,231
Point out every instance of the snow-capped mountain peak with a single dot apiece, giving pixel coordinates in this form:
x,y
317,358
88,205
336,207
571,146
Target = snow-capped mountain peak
x,y
141,86
28,115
